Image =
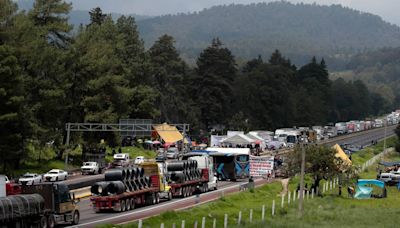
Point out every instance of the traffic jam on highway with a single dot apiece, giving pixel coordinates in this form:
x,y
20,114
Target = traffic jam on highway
x,y
126,184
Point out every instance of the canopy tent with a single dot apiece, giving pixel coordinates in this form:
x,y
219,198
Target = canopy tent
x,y
228,150
389,163
342,155
363,189
239,139
169,134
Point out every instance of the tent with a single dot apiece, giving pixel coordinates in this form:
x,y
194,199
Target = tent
x,y
341,155
363,189
169,134
239,139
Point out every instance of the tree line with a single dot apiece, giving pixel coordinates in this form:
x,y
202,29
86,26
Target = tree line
x,y
103,73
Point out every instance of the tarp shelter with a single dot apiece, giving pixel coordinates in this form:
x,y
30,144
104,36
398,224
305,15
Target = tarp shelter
x,y
389,163
245,151
342,155
168,133
239,139
363,189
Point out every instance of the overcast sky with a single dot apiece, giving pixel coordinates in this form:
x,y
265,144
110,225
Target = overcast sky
x,y
387,9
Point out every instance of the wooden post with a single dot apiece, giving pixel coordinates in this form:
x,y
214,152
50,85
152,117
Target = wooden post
x,y
294,196
282,200
312,193
183,224
215,223
226,221
263,213
162,225
298,194
288,199
273,207
203,222
251,215
140,224
240,217
308,195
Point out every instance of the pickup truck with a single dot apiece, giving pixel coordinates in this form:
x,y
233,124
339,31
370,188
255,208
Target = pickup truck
x,y
90,168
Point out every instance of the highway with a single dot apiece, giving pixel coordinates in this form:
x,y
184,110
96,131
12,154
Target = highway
x,y
90,219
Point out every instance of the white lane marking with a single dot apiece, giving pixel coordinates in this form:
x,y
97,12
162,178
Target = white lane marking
x,y
154,207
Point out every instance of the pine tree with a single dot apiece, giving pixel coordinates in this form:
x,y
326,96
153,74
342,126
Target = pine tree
x,y
96,16
12,100
216,71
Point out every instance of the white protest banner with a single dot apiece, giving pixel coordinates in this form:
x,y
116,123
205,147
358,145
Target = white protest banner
x,y
261,165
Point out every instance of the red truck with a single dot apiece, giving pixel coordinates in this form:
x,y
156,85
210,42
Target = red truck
x,y
132,191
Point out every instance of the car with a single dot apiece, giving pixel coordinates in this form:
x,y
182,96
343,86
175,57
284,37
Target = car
x,y
139,160
172,153
90,168
30,179
56,175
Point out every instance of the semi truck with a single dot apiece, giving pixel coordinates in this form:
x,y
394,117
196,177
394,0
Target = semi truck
x,y
127,188
43,205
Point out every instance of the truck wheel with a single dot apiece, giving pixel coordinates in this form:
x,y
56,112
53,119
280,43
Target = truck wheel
x,y
123,205
43,222
154,200
51,222
75,218
128,205
133,204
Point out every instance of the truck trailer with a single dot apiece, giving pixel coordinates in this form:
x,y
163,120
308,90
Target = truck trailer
x,y
43,205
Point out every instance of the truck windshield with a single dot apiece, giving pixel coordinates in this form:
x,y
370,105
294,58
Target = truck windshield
x,y
89,164
28,176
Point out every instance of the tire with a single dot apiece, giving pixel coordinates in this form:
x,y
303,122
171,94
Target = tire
x,y
66,177
133,205
43,222
75,218
128,205
123,205
51,222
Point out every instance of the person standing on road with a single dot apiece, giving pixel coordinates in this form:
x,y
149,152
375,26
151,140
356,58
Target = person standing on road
x,y
197,192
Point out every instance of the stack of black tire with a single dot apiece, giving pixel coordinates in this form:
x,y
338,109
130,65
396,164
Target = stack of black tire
x,y
118,181
182,171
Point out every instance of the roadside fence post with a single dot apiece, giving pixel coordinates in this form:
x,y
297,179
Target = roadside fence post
x,y
308,195
173,225
203,222
334,184
215,223
222,194
183,224
298,194
282,200
312,193
240,217
162,225
195,224
323,188
288,199
294,196
263,213
140,224
273,207
251,215
226,221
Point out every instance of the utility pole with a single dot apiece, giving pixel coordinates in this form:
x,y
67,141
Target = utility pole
x,y
384,140
303,164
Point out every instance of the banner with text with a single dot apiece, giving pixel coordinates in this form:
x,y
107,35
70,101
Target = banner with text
x,y
261,165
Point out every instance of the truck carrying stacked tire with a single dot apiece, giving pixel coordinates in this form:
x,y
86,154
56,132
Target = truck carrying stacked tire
x,y
185,177
182,171
125,189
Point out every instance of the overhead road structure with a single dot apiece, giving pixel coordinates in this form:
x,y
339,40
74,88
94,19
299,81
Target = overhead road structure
x,y
135,127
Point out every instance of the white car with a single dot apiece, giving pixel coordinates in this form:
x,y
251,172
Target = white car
x,y
90,168
30,179
56,175
139,160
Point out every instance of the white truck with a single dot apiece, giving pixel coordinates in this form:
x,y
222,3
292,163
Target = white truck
x,y
90,168
121,160
204,161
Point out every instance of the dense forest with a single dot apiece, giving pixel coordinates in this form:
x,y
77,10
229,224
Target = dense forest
x,y
103,73
298,30
379,70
